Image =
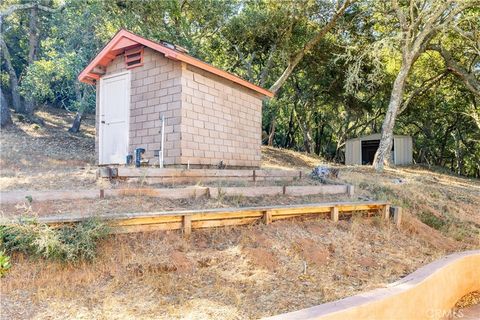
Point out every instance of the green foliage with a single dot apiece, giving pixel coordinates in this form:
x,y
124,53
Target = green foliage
x,y
432,220
4,263
67,244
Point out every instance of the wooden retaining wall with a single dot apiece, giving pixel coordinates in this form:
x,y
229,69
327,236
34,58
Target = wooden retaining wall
x,y
187,220
175,193
429,293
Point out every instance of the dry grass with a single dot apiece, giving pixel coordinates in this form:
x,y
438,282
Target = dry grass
x,y
446,203
468,300
229,273
243,272
89,207
47,157
288,159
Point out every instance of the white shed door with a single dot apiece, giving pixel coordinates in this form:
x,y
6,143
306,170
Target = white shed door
x,y
114,118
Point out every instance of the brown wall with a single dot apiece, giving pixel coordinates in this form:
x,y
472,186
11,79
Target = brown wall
x,y
208,119
221,121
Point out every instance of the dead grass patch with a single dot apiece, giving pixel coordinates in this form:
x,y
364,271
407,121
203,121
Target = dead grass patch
x,y
242,272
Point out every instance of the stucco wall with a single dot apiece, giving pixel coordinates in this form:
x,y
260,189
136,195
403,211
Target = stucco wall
x,y
155,91
222,121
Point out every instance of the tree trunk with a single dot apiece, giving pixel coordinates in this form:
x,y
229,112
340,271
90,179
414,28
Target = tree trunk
x,y
271,135
32,51
458,153
16,99
75,128
384,149
307,137
5,116
33,35
290,136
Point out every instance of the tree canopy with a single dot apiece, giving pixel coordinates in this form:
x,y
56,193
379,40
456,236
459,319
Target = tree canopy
x,y
339,69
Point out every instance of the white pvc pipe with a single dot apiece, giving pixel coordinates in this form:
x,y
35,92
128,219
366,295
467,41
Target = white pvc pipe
x,y
162,142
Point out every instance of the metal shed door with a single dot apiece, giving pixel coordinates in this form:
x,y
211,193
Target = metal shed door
x,y
114,118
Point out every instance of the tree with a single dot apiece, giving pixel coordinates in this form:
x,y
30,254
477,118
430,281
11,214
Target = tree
x,y
420,22
5,117
298,55
18,104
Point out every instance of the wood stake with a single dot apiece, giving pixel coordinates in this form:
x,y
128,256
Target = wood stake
x,y
187,225
334,214
386,212
207,193
267,217
350,190
102,194
396,212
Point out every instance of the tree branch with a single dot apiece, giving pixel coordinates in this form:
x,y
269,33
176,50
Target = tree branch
x,y
16,7
424,87
469,79
298,56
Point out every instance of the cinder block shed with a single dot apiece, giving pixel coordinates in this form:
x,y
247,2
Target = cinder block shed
x,y
362,150
209,116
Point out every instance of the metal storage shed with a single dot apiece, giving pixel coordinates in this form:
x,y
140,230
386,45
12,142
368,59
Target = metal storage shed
x,y
156,99
362,150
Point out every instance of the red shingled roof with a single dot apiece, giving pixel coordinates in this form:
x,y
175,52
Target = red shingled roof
x,y
125,40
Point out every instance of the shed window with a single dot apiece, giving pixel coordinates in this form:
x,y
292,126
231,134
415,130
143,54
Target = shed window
x,y
134,58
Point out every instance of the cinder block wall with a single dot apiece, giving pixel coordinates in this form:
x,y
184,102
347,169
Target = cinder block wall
x,y
155,91
221,121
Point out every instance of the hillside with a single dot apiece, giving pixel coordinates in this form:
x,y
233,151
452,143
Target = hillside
x,y
228,273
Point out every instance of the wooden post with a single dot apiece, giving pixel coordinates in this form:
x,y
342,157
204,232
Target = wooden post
x,y
284,189
386,212
254,176
334,214
300,175
267,217
207,193
102,194
350,190
396,212
187,225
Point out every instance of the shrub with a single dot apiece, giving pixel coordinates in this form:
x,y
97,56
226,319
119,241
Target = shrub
x,y
4,263
431,220
69,243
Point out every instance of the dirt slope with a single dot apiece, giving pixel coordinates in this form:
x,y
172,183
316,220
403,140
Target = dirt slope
x,y
230,273
47,157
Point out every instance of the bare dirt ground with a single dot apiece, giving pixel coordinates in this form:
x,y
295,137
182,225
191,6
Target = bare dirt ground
x,y
226,273
47,157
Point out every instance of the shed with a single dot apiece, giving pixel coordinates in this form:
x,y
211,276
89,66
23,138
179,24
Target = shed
x,y
209,116
362,150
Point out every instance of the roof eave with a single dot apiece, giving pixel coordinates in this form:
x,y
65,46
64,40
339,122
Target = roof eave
x,y
87,77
